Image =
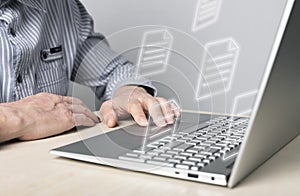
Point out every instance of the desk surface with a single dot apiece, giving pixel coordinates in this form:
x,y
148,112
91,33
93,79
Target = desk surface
x,y
27,168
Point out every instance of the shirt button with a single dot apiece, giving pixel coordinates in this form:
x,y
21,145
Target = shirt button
x,y
12,32
19,79
44,55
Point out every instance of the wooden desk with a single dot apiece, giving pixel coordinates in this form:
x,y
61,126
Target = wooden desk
x,y
27,168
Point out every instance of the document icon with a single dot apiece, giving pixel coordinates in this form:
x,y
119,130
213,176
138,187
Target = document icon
x,y
218,67
242,105
207,13
154,132
154,53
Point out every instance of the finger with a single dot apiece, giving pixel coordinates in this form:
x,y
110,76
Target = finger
x,y
167,110
54,98
83,120
175,108
138,114
108,113
153,107
79,109
72,100
68,114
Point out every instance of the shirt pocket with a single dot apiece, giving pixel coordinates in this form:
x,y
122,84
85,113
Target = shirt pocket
x,y
51,75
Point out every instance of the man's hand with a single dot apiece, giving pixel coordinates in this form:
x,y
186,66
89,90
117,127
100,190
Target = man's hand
x,y
44,115
137,102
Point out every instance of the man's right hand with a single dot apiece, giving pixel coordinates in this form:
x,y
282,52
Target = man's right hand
x,y
44,115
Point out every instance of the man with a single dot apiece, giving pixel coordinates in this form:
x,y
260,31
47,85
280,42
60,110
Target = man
x,y
43,45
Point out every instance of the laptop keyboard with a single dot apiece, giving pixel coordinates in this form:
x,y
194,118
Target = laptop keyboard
x,y
194,149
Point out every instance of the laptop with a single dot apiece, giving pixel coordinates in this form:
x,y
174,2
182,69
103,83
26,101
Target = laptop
x,y
209,148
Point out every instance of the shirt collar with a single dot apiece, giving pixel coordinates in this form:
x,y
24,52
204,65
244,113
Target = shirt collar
x,y
36,4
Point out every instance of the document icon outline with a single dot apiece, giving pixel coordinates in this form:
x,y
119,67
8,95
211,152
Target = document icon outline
x,y
242,107
154,132
217,68
155,52
241,100
207,13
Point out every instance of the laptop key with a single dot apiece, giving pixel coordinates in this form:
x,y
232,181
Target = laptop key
x,y
193,150
153,153
183,147
239,134
167,155
132,154
221,144
188,137
207,161
160,163
192,143
172,152
195,168
201,138
167,139
186,154
202,156
154,145
237,143
195,159
212,158
189,162
200,147
142,151
205,144
176,137
171,145
182,166
183,140
174,160
160,158
160,150
228,148
232,146
210,142
182,133
209,151
201,164
215,139
181,157
218,154
217,147
145,156
134,159
163,142
198,140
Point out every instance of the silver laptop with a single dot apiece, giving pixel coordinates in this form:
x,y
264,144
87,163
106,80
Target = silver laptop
x,y
215,149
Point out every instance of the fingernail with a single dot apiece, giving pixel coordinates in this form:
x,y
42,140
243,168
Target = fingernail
x,y
99,120
170,121
110,123
163,124
143,121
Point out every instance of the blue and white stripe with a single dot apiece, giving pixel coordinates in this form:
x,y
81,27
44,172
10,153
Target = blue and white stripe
x,y
28,27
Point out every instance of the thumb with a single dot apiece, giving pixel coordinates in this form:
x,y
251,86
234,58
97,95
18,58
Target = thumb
x,y
108,113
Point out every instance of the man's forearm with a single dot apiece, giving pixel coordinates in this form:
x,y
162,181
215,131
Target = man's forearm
x,y
11,122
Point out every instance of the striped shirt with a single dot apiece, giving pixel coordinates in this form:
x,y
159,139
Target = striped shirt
x,y
46,43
